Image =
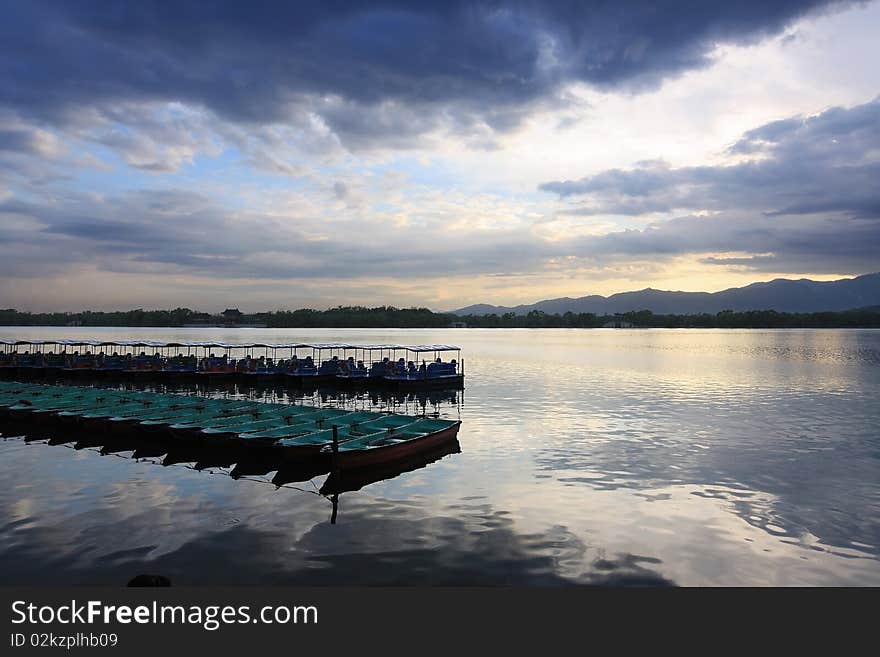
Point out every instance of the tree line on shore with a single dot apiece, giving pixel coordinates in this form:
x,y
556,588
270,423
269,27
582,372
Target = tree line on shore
x,y
391,317
862,318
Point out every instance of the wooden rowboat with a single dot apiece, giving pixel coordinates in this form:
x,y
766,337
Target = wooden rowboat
x,y
394,445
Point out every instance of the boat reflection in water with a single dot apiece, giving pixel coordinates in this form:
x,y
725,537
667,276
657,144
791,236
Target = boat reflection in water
x,y
424,402
237,463
350,480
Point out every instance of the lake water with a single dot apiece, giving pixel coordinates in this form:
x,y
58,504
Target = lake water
x,y
688,457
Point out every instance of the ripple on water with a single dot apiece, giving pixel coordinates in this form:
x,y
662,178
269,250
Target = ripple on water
x,y
690,457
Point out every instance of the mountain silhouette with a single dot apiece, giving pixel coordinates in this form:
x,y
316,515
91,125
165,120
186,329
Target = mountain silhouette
x,y
782,294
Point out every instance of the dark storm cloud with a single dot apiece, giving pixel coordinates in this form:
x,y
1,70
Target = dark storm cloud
x,y
389,68
811,193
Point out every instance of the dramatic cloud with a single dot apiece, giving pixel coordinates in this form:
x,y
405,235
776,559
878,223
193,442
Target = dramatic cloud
x,y
808,194
391,152
385,69
805,201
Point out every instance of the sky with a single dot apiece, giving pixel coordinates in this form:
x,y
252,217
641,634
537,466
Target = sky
x,y
282,155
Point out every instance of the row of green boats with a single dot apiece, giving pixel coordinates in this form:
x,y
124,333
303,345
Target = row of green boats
x,y
350,439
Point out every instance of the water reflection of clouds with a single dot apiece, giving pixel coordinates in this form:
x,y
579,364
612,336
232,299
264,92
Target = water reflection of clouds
x,y
720,457
792,438
696,537
104,505
203,529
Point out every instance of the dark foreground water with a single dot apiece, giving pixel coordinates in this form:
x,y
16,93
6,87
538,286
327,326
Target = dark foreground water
x,y
609,456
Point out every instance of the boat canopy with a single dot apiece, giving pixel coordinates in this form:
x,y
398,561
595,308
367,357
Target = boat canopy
x,y
7,341
71,343
432,347
230,345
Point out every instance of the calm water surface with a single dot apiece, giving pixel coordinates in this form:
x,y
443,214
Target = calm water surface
x,y
693,457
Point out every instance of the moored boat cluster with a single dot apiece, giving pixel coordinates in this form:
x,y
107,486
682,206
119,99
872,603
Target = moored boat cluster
x,y
348,439
401,366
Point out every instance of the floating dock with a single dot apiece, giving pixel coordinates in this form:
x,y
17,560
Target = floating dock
x,y
291,433
397,366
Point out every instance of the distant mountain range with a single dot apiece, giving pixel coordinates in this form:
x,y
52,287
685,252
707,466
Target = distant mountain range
x,y
781,294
